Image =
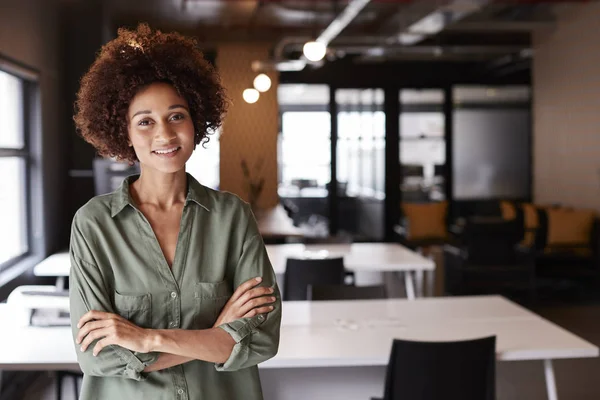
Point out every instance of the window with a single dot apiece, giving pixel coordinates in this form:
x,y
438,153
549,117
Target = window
x,y
422,144
361,142
14,170
305,140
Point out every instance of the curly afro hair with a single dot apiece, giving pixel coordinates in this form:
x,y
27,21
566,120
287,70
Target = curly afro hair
x,y
132,61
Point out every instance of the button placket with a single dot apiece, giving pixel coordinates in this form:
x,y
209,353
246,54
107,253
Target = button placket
x,y
176,306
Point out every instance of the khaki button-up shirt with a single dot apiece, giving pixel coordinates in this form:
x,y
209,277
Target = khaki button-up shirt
x,y
117,266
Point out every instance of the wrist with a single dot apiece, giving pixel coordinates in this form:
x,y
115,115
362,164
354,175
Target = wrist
x,y
153,340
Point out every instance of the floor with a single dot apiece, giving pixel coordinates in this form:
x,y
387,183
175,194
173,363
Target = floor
x,y
575,379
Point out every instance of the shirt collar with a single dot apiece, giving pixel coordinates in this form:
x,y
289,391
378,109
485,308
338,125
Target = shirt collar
x,y
122,197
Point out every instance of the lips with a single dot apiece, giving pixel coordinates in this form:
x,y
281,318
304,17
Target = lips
x,y
169,152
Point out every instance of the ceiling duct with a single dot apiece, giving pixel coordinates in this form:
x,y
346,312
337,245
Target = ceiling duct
x,y
336,26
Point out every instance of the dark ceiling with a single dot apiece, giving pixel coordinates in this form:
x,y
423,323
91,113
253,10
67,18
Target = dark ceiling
x,y
383,30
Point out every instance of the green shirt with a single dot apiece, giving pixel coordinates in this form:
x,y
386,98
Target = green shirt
x,y
117,266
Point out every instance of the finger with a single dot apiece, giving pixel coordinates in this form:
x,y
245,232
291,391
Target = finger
x,y
256,292
88,327
256,311
254,303
101,345
249,284
97,334
94,315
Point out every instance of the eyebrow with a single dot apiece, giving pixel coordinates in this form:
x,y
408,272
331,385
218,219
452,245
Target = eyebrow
x,y
174,106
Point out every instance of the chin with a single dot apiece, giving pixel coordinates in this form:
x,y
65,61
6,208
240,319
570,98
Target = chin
x,y
166,166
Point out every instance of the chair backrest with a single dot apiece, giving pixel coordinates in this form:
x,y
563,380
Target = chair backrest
x,y
299,273
345,292
462,370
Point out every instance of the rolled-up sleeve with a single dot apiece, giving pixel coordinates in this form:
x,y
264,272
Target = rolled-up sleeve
x,y
257,338
87,291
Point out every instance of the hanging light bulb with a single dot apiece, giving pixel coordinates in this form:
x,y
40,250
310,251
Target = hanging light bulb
x,y
262,83
314,51
250,95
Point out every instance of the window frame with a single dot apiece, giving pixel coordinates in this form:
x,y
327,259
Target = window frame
x,y
30,104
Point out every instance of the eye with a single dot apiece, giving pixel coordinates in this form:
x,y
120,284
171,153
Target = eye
x,y
177,117
144,122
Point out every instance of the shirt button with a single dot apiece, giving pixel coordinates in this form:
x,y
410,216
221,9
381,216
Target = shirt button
x,y
172,323
173,294
180,391
261,317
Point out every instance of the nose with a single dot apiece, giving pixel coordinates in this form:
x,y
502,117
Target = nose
x,y
165,134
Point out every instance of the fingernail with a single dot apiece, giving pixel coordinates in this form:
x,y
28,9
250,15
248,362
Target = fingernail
x,y
81,348
258,279
94,354
272,299
271,290
77,341
270,307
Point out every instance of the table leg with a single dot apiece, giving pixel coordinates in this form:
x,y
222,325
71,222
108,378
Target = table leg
x,y
430,279
419,289
550,382
409,285
60,283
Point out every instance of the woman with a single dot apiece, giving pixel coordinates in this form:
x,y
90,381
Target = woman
x,y
170,281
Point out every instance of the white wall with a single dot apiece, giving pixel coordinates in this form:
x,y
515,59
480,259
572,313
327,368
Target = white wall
x,y
566,81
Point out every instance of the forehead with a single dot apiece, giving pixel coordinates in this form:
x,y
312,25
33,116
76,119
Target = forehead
x,y
155,97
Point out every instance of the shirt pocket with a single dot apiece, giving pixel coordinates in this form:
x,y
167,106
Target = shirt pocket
x,y
210,298
135,308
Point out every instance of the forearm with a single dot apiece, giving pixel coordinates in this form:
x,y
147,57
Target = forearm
x,y
166,360
211,345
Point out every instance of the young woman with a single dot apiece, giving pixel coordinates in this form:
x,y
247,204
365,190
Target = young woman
x,y
172,293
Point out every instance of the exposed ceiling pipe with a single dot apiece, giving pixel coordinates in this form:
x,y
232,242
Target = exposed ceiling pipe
x,y
336,26
438,20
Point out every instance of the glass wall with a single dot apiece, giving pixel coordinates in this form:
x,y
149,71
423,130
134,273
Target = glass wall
x,y
491,147
422,145
304,158
360,155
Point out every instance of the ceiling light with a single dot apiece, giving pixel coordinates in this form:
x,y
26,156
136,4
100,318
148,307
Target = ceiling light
x,y
262,83
250,95
314,51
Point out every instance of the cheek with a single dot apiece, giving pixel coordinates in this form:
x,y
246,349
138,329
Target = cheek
x,y
138,139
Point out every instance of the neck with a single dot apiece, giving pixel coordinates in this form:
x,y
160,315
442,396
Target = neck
x,y
161,190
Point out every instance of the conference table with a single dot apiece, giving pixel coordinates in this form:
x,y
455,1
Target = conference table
x,y
366,260
340,349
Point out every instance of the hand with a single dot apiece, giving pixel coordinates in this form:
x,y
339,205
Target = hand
x,y
111,329
246,302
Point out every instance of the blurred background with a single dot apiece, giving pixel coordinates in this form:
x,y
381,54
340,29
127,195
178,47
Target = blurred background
x,y
351,120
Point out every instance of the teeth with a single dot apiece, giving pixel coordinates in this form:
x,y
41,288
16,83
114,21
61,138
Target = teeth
x,y
166,151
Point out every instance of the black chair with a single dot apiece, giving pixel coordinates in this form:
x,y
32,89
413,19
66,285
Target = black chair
x,y
489,260
462,370
299,273
345,292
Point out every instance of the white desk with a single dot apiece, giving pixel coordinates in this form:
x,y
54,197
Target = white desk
x,y
275,223
366,258
335,350
57,265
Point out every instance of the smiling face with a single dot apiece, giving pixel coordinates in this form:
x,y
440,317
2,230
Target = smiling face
x,y
161,130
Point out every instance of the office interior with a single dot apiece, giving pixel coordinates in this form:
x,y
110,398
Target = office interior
x,y
462,133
